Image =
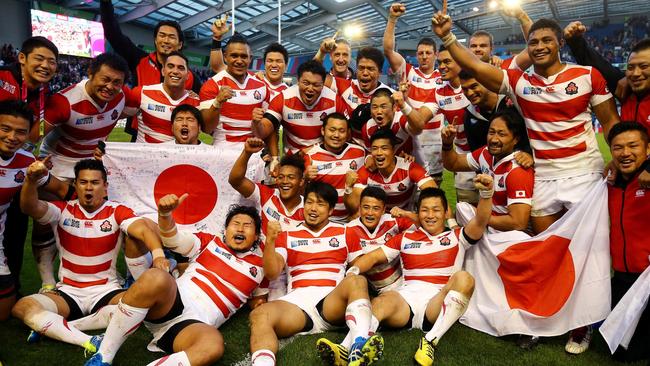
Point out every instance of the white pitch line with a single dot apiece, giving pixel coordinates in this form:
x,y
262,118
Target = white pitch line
x,y
247,359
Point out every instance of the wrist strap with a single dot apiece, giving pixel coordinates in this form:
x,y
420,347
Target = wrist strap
x,y
166,214
451,223
49,178
486,193
157,253
448,39
407,109
216,45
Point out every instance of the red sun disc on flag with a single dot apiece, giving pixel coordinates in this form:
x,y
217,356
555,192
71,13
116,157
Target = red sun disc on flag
x,y
538,276
200,186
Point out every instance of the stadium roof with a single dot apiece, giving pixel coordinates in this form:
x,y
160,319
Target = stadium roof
x,y
306,22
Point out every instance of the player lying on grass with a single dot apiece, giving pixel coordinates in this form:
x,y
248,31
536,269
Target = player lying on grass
x,y
436,291
89,235
184,314
319,298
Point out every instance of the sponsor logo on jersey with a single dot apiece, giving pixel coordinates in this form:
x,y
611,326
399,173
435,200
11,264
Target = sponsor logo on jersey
x,y
298,243
84,121
257,95
439,81
445,101
532,90
253,271
274,214
5,85
310,115
639,193
71,222
88,224
444,241
388,236
115,114
324,166
334,243
156,107
294,115
414,245
222,252
106,226
571,89
19,177
458,97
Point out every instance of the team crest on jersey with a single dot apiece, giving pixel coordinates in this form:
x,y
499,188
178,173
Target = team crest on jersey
x,y
334,243
106,226
115,114
257,95
502,182
84,121
71,222
353,165
7,86
444,241
439,81
388,236
571,89
3,172
401,187
19,177
253,271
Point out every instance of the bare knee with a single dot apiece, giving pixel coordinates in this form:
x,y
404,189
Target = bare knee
x,y
357,282
152,283
463,281
260,316
24,307
208,351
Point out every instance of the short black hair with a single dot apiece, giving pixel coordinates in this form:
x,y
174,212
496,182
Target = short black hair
x,y
515,123
432,192
626,126
324,191
482,33
295,160
170,23
251,211
237,38
642,45
17,108
384,133
336,115
427,41
312,66
112,60
37,42
374,192
373,54
188,108
442,48
276,47
549,24
383,92
90,164
465,75
181,55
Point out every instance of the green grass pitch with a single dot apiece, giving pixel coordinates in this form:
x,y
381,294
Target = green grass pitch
x,y
460,346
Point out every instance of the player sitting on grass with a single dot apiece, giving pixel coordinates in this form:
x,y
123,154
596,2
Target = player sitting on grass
x,y
319,298
89,234
183,314
436,291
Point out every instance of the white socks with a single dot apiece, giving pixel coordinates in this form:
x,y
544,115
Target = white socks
x,y
453,306
56,327
97,320
263,357
44,254
357,318
126,320
175,359
374,324
138,265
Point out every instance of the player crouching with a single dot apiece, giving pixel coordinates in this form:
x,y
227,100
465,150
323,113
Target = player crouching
x,y
435,292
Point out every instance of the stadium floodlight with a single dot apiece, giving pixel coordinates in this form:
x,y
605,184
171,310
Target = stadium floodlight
x,y
475,8
511,3
352,31
493,4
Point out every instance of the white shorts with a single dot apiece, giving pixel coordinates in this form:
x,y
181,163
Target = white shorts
x,y
87,298
464,180
63,166
393,286
306,298
278,287
429,156
418,295
551,196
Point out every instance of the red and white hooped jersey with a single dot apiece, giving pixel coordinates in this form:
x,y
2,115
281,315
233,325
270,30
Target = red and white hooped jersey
x,y
271,208
361,241
155,108
301,124
332,169
421,85
512,183
80,123
236,114
88,242
352,94
557,111
428,258
314,258
274,89
400,185
399,126
451,102
223,278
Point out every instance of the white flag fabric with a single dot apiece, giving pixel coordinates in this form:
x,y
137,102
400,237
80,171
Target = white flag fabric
x,y
545,285
140,174
621,323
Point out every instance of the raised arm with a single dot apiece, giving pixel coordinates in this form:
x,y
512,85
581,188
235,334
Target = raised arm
x,y
488,75
476,226
515,10
451,160
394,58
29,202
416,118
237,177
120,43
220,28
273,261
352,194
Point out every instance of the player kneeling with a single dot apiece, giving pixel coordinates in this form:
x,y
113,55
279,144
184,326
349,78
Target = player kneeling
x,y
435,292
183,314
319,297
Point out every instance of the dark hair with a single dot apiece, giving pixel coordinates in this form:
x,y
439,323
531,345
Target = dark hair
x,y
549,24
324,191
181,55
235,210
237,38
465,75
432,192
642,45
276,47
626,126
112,60
188,108
427,41
371,54
36,42
442,48
336,115
374,192
384,133
295,160
383,92
482,33
90,164
515,123
312,66
170,23
17,108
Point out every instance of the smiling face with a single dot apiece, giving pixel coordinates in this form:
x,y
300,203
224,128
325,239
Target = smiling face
x,y
310,86
167,40
426,56
638,71
370,211
474,91
240,233
91,189
175,72
185,128
481,47
335,134
317,211
367,75
274,66
14,131
238,59
39,66
448,68
290,182
431,215
629,152
544,47
105,84
500,140
382,110
341,57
